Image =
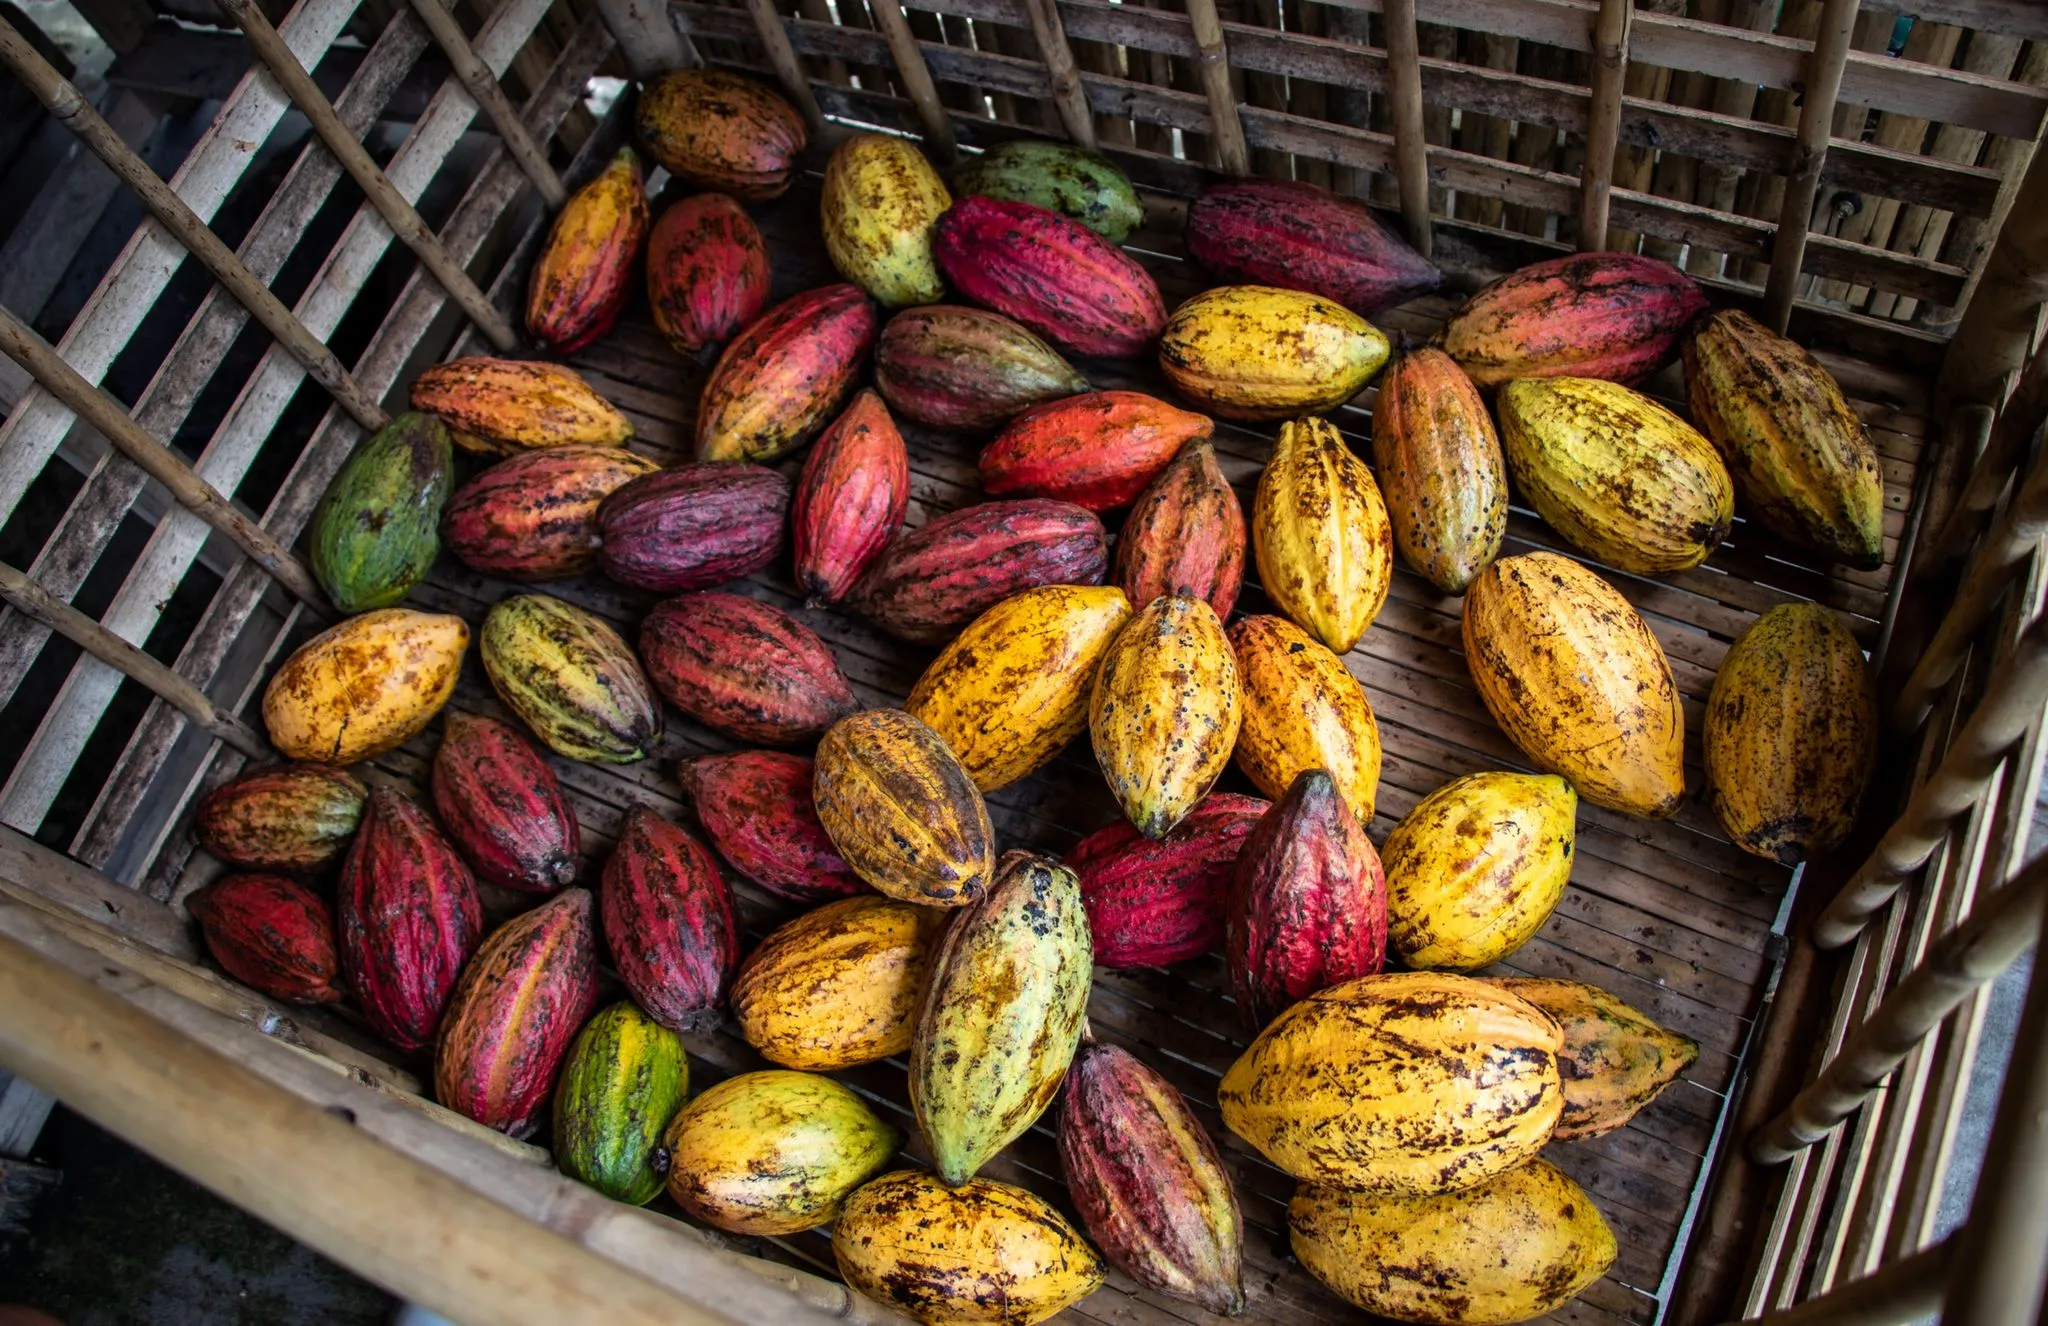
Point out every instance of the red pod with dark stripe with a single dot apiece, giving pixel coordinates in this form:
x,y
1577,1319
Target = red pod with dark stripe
x,y
669,921
501,804
1051,273
932,581
1299,237
757,809
851,498
693,526
783,377
272,934
1590,315
744,668
533,516
1156,901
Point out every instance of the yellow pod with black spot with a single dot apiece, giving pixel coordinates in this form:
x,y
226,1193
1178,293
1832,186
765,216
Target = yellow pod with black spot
x,y
1615,1060
1165,711
839,985
1477,867
901,810
363,686
881,200
1303,710
1320,534
1259,352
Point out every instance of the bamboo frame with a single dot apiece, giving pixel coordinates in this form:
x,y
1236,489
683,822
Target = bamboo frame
x,y
916,75
482,84
1897,1293
1411,152
768,27
1802,181
646,37
1213,65
1610,69
1068,100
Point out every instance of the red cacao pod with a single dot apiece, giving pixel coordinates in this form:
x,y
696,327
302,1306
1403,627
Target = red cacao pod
x,y
756,807
785,375
533,516
966,368
1308,906
1184,535
1097,450
693,526
1591,315
1148,1181
669,921
707,271
1300,237
272,934
522,999
409,918
744,668
944,574
721,130
585,271
852,496
1051,273
1156,901
296,817
499,801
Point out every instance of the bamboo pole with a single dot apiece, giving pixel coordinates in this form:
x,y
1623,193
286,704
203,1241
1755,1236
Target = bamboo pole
x,y
1734,98
2011,435
1996,331
647,38
76,114
1892,1295
782,58
482,84
916,77
1069,98
158,461
1212,62
405,222
1823,88
1603,127
1404,98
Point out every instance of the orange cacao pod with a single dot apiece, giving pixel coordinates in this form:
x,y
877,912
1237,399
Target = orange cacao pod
x,y
585,272
1440,468
533,516
722,131
1184,535
785,375
1096,450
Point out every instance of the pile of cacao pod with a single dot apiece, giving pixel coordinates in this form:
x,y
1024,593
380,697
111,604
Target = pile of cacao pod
x,y
1408,1098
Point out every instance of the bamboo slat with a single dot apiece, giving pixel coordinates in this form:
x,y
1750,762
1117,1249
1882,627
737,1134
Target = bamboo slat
x,y
1903,1291
645,36
917,80
1067,97
1603,128
795,82
482,83
1802,181
1404,97
1996,333
1212,63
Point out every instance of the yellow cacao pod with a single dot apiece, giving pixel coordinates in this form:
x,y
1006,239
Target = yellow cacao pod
x,y
1511,1249
1320,534
1012,688
839,985
880,202
1477,867
1571,672
1791,733
1164,714
1614,1061
501,406
1303,710
901,810
1256,352
361,688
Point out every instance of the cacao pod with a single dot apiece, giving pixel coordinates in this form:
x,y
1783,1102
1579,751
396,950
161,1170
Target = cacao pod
x,y
1512,1249
1059,177
966,368
985,1254
852,496
272,934
1589,315
376,531
1614,1060
1096,450
1477,867
1255,352
1001,1014
1012,690
901,810
723,131
1440,466
500,803
1185,535
1790,737
570,678
1801,457
584,273
1165,710
692,526
756,808
1320,534
295,817
1410,1082
1303,710
1154,902
1149,1185
624,1079
880,202
363,686
533,516
1301,237
938,577
707,272
783,377
1573,675
409,918
519,1004
1051,273
667,916
838,986
744,668
506,405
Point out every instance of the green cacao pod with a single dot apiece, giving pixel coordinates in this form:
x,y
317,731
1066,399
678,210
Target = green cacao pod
x,y
378,528
625,1078
570,677
1058,176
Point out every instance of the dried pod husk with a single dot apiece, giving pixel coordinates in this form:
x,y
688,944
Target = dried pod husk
x,y
707,272
272,934
1408,1082
1012,690
744,668
902,811
1147,1180
584,273
533,516
850,500
507,405
839,985
1320,534
692,526
1303,710
1590,315
984,1252
364,686
1096,450
1256,352
568,676
1051,273
521,1000
1156,901
1165,711
1573,675
1510,1250
952,367
1057,176
502,806
293,817
721,130
1477,867
880,202
408,920
933,580
1184,535
377,529
1300,237
783,377
624,1079
1439,465
756,808
1001,1015
1615,1060
668,920
1790,737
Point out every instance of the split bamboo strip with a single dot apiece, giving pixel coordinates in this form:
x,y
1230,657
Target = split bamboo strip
x,y
2008,156
482,84
782,58
405,222
1068,99
1802,181
1899,1292
194,493
75,113
1404,96
1603,129
1735,99
1996,332
646,37
27,596
1634,163
1213,64
1486,135
1262,89
916,77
